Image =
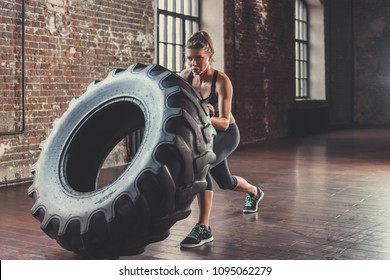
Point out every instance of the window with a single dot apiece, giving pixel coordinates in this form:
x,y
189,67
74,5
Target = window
x,y
301,50
176,21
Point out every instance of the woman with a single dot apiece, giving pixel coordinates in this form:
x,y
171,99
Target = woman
x,y
216,91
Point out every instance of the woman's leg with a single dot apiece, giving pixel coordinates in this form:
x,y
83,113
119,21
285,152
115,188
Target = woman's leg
x,y
221,174
225,180
205,199
205,203
253,195
244,186
201,232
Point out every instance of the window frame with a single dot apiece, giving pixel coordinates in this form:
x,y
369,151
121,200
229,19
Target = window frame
x,y
173,44
302,59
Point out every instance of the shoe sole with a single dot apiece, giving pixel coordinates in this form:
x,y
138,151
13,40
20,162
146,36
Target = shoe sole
x,y
199,244
257,204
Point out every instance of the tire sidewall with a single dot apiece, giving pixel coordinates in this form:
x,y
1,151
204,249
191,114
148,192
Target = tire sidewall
x,y
138,88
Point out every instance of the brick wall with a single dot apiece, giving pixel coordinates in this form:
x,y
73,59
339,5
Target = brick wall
x,y
10,67
259,46
68,43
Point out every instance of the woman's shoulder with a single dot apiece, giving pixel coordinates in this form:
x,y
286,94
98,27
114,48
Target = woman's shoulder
x,y
223,78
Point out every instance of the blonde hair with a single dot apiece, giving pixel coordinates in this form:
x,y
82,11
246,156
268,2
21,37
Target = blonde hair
x,y
201,40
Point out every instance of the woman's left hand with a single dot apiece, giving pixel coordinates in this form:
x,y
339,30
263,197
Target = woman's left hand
x,y
211,110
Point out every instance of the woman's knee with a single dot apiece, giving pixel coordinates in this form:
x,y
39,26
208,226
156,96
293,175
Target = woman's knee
x,y
228,184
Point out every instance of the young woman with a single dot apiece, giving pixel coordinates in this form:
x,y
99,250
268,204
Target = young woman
x,y
216,91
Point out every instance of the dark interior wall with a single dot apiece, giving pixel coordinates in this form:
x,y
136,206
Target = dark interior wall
x,y
358,40
259,51
371,20
339,51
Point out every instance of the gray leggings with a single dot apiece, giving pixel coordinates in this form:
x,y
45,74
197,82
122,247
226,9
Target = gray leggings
x,y
224,144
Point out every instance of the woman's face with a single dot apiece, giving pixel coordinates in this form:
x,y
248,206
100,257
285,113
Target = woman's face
x,y
198,60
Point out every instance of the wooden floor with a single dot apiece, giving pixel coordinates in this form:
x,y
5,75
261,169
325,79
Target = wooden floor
x,y
326,197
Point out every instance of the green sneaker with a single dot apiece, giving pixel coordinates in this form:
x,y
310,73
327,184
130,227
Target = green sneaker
x,y
252,201
198,236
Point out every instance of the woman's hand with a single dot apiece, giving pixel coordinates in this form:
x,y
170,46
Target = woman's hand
x,y
211,110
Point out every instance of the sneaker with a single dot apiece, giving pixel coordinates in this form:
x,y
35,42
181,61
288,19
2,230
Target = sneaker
x,y
252,201
198,236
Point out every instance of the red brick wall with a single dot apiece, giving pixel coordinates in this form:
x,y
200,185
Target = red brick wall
x,y
259,45
10,67
68,43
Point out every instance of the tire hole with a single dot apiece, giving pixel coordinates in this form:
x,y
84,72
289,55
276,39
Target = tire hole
x,y
103,147
119,158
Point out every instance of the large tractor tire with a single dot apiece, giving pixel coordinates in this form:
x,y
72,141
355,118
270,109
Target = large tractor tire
x,y
157,187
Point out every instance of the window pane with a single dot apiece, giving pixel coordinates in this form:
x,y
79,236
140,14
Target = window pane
x,y
302,51
169,28
195,26
300,70
161,32
179,58
169,57
195,8
171,6
188,28
187,7
304,31
179,6
162,54
298,9
301,31
162,4
179,31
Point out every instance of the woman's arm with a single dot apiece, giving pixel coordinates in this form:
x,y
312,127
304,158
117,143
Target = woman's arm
x,y
224,90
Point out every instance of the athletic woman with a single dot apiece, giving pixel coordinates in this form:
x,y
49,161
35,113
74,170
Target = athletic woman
x,y
216,91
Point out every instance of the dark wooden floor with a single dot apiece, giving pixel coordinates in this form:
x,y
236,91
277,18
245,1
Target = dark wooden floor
x,y
326,197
